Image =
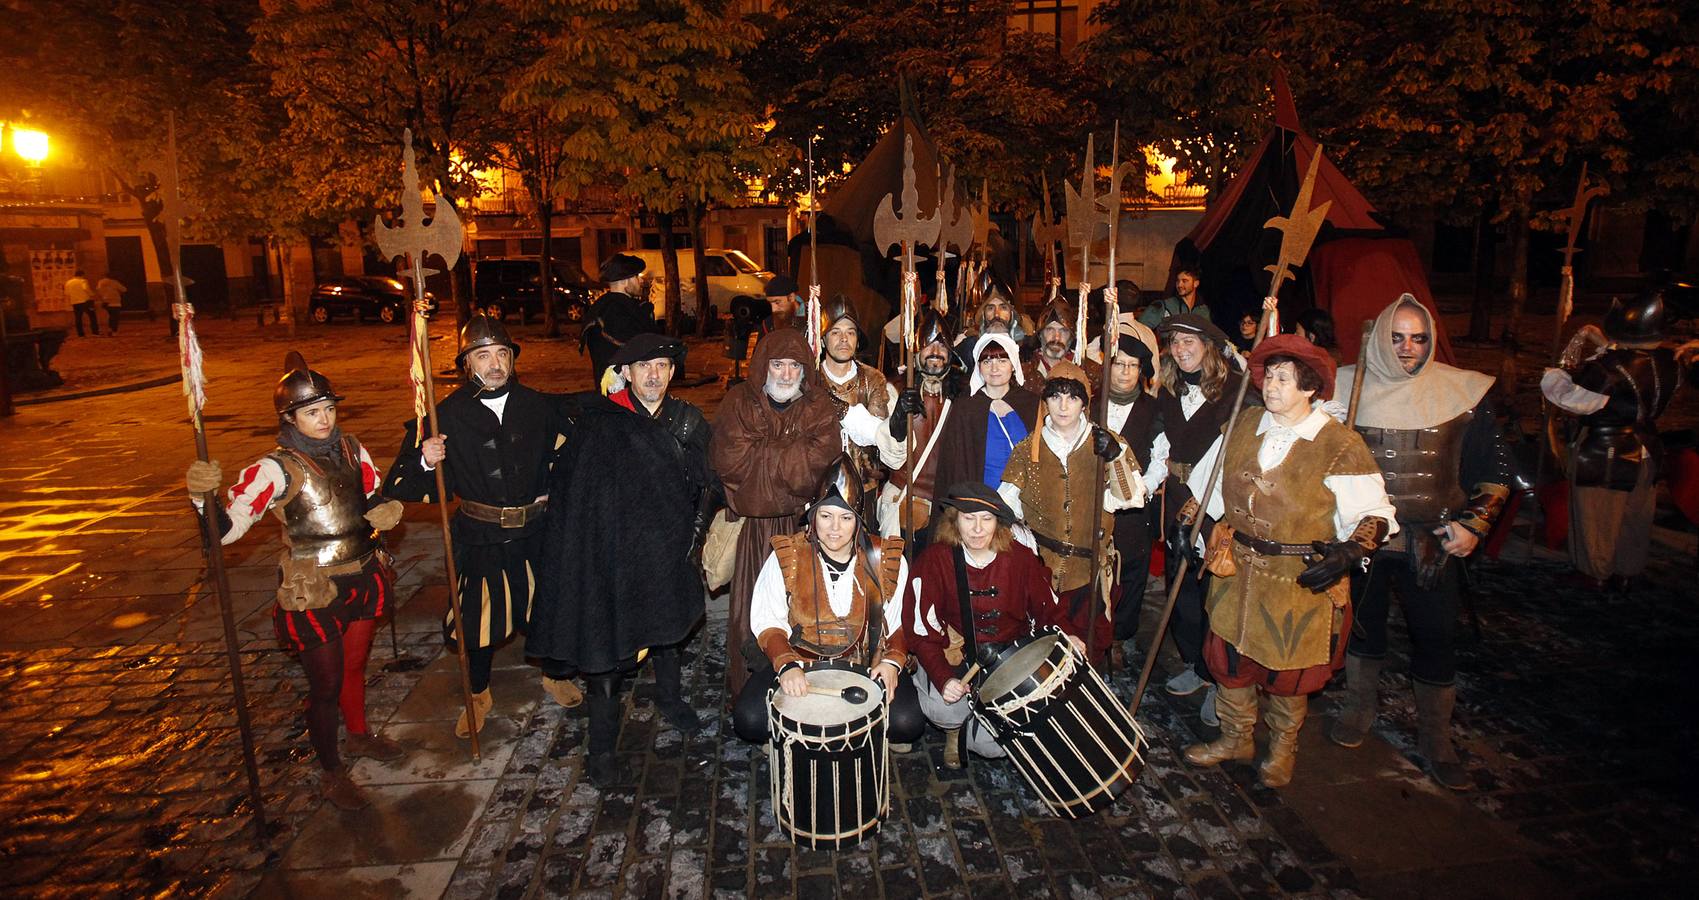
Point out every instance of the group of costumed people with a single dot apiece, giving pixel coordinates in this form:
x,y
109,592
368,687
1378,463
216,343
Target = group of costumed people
x,y
914,527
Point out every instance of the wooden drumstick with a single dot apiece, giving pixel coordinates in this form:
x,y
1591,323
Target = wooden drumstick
x,y
851,694
967,677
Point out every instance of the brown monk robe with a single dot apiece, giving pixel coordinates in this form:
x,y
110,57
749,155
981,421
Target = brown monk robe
x,y
774,436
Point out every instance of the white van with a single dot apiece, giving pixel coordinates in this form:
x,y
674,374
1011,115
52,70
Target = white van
x,y
730,274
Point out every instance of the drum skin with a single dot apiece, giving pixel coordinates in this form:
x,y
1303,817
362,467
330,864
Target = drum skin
x,y
828,762
1069,736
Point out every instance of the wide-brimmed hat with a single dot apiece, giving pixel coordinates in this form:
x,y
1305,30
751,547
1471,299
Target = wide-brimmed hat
x,y
1191,323
1299,349
648,345
977,496
621,266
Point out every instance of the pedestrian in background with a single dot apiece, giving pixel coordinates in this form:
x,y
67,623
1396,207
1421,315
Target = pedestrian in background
x,y
111,294
81,298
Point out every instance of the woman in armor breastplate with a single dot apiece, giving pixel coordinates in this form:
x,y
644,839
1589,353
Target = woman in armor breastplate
x,y
336,579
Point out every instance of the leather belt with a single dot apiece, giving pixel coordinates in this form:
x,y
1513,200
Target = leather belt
x,y
1059,548
1273,548
505,516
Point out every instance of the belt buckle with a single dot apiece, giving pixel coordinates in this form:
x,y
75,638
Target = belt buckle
x,y
512,517
1390,453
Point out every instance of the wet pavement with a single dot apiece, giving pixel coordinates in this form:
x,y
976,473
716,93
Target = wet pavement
x,y
120,766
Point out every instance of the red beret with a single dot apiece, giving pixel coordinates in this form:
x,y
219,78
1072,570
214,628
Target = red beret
x,y
1299,349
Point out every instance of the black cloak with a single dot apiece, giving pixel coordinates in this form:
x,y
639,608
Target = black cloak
x,y
617,569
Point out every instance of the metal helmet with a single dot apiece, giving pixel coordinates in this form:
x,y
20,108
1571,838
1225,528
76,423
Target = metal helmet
x,y
1637,321
300,386
934,327
841,486
483,331
1059,311
836,309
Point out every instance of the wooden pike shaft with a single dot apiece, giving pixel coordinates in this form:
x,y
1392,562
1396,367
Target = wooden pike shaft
x,y
442,507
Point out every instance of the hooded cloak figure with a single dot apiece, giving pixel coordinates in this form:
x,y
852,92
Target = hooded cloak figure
x,y
1433,429
774,436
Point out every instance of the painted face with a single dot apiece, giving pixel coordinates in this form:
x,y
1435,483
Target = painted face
x,y
1124,373
1055,339
784,379
491,366
649,379
1185,285
1280,393
1410,338
1187,350
834,528
977,529
1064,410
995,367
316,420
841,341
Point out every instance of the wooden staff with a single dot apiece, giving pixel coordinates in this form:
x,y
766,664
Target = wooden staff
x,y
211,541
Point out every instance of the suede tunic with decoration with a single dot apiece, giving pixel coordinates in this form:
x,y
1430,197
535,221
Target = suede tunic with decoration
x,y
1056,501
1262,611
814,625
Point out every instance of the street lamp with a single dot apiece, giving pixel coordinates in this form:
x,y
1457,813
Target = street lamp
x,y
30,145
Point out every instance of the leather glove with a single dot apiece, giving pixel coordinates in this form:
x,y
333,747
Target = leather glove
x,y
204,476
385,515
1104,444
1332,562
1188,513
909,403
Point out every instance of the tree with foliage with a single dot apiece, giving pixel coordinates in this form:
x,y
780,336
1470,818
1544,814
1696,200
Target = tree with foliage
x,y
355,74
101,77
1003,106
652,100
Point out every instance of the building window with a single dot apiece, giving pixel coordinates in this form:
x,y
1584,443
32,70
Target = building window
x,y
531,246
491,248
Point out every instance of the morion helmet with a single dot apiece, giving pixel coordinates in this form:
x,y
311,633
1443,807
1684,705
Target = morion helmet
x,y
1637,321
483,331
300,386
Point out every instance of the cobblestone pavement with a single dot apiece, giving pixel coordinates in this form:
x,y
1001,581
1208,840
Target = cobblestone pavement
x,y
120,769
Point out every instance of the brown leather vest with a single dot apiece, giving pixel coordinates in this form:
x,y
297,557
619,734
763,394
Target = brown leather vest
x,y
816,631
1422,469
866,387
324,506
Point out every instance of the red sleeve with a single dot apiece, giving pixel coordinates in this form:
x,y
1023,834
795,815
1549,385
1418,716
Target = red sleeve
x,y
932,598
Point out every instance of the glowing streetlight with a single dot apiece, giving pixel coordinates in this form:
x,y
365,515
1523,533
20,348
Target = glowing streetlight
x,y
30,145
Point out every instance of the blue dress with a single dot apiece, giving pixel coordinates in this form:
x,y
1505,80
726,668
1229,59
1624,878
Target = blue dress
x,y
1002,433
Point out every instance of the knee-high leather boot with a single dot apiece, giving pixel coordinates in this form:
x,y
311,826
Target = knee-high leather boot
x,y
604,727
669,691
1285,716
1237,708
1434,704
1362,697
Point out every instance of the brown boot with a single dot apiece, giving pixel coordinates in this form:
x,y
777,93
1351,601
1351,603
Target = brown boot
x,y
1237,708
373,746
563,691
341,791
1285,716
1362,697
481,704
952,748
1433,735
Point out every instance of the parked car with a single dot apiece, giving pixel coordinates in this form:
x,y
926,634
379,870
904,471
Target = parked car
x,y
363,296
507,286
731,275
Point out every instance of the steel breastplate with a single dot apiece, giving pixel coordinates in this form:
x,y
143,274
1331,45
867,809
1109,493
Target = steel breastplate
x,y
325,520
1421,468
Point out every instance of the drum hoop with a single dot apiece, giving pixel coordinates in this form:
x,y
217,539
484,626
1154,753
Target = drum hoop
x,y
1016,647
783,727
1060,675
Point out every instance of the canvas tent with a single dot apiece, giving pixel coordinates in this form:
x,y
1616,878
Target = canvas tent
x,y
1357,266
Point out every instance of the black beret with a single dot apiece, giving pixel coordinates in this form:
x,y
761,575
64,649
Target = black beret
x,y
648,346
781,286
977,496
619,267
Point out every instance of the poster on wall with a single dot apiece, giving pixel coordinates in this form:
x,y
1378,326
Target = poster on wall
x,y
49,270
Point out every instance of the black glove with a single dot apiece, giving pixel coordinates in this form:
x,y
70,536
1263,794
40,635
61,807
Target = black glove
x,y
1332,562
1104,444
908,404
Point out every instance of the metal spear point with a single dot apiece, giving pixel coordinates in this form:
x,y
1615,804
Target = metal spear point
x,y
1084,222
411,238
1576,214
1298,229
959,231
1047,232
907,230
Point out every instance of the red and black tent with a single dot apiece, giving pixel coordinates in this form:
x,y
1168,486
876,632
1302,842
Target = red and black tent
x,y
1357,266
